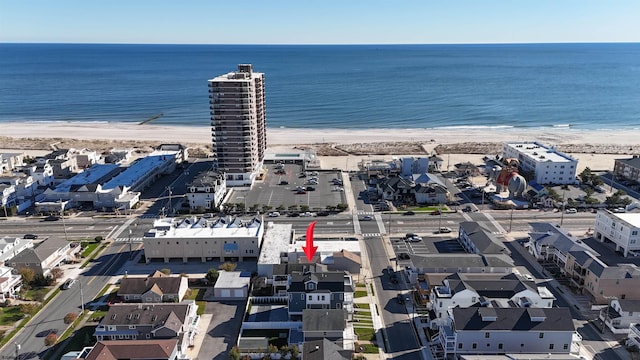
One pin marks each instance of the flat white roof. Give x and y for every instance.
(233, 77)
(328, 246)
(232, 280)
(276, 240)
(632, 218)
(89, 176)
(540, 153)
(141, 169)
(206, 229)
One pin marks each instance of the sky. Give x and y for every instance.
(319, 22)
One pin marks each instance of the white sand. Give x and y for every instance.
(281, 138)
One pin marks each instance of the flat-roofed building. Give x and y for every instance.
(238, 124)
(622, 229)
(628, 168)
(204, 239)
(549, 165)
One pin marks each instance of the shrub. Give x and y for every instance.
(70, 318)
(50, 339)
(57, 273)
(28, 308)
(212, 276)
(166, 271)
(98, 238)
(228, 266)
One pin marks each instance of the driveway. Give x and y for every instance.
(222, 333)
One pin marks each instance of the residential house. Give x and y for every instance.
(622, 229)
(318, 324)
(465, 290)
(232, 285)
(26, 188)
(589, 274)
(134, 349)
(323, 290)
(465, 263)
(150, 321)
(8, 197)
(431, 193)
(491, 330)
(86, 158)
(12, 246)
(551, 243)
(466, 169)
(155, 288)
(10, 283)
(10, 161)
(396, 189)
(480, 237)
(207, 190)
(324, 350)
(435, 163)
(620, 315)
(628, 168)
(48, 254)
(345, 260)
(42, 173)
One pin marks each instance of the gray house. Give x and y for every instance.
(322, 290)
(318, 324)
(44, 257)
(324, 350)
(481, 238)
(150, 321)
(155, 288)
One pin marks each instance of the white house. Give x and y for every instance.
(461, 290)
(9, 283)
(12, 246)
(550, 242)
(623, 229)
(620, 314)
(207, 190)
(549, 165)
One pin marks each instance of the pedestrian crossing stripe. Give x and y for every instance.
(371, 235)
(133, 239)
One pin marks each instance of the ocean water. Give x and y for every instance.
(585, 86)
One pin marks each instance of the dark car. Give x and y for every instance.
(409, 213)
(301, 191)
(310, 188)
(52, 218)
(323, 213)
(30, 236)
(284, 182)
(294, 214)
(400, 299)
(436, 212)
(403, 256)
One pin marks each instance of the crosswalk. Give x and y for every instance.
(126, 239)
(366, 235)
(147, 216)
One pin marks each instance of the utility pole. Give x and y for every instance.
(510, 219)
(170, 205)
(64, 226)
(562, 214)
(18, 351)
(81, 297)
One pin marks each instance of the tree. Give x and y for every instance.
(280, 207)
(51, 339)
(234, 353)
(212, 276)
(27, 275)
(586, 175)
(304, 208)
(57, 273)
(166, 271)
(228, 266)
(98, 238)
(266, 208)
(28, 308)
(70, 318)
(342, 207)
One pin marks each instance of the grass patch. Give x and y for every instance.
(197, 295)
(373, 293)
(369, 348)
(361, 285)
(360, 293)
(88, 248)
(82, 337)
(365, 333)
(36, 294)
(10, 315)
(93, 256)
(98, 315)
(362, 306)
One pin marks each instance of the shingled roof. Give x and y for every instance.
(132, 349)
(159, 285)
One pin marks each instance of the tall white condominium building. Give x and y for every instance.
(238, 124)
(548, 165)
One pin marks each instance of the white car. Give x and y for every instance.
(528, 277)
(572, 211)
(306, 214)
(273, 214)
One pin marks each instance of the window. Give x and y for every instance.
(474, 346)
(500, 346)
(459, 345)
(486, 335)
(310, 297)
(565, 346)
(634, 232)
(550, 346)
(322, 298)
(541, 335)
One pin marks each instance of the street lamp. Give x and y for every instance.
(81, 297)
(64, 226)
(18, 351)
(170, 205)
(130, 243)
(562, 215)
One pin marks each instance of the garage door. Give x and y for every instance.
(226, 293)
(238, 293)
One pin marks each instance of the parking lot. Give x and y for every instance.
(428, 245)
(285, 187)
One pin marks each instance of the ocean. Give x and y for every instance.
(583, 86)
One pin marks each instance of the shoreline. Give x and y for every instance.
(301, 136)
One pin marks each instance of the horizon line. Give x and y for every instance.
(323, 44)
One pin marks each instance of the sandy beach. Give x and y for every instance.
(593, 148)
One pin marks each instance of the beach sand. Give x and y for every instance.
(593, 148)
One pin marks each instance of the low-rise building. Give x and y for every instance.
(8, 197)
(232, 285)
(481, 238)
(10, 161)
(150, 321)
(155, 288)
(619, 315)
(10, 283)
(318, 324)
(159, 349)
(203, 239)
(12, 246)
(207, 190)
(622, 229)
(490, 330)
(48, 254)
(325, 290)
(548, 165)
(628, 168)
(462, 263)
(324, 350)
(550, 242)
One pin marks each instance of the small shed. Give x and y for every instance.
(232, 285)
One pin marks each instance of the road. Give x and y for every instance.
(90, 281)
(400, 336)
(76, 227)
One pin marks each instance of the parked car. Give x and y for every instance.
(52, 218)
(408, 213)
(294, 214)
(310, 188)
(30, 236)
(284, 182)
(301, 192)
(414, 239)
(323, 213)
(306, 214)
(68, 284)
(619, 210)
(444, 230)
(273, 214)
(409, 235)
(572, 211)
(436, 212)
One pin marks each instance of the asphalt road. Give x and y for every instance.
(50, 319)
(76, 227)
(399, 332)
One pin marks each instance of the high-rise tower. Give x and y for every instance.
(238, 124)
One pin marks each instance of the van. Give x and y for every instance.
(68, 283)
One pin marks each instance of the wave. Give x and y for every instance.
(456, 127)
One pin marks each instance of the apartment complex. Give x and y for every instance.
(238, 124)
(549, 165)
(628, 168)
(621, 229)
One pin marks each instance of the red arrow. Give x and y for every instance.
(310, 250)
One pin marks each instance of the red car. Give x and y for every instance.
(437, 212)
